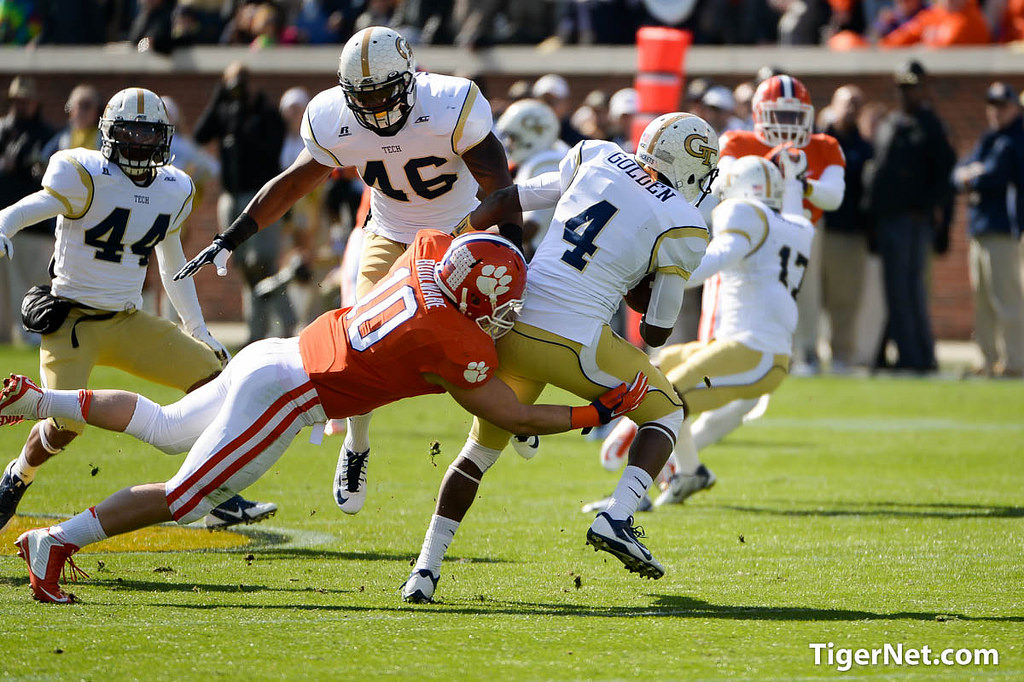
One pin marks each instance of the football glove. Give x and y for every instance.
(792, 161)
(6, 247)
(203, 335)
(614, 403)
(216, 253)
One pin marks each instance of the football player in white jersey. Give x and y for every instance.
(114, 207)
(760, 253)
(618, 218)
(423, 144)
(529, 130)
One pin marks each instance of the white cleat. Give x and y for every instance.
(615, 447)
(682, 486)
(621, 539)
(19, 400)
(419, 588)
(526, 447)
(350, 480)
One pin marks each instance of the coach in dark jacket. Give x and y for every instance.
(908, 187)
(988, 175)
(250, 132)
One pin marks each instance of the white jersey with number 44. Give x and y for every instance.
(109, 226)
(760, 258)
(417, 177)
(612, 226)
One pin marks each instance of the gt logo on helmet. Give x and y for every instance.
(701, 151)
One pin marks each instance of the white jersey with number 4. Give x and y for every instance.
(417, 177)
(612, 226)
(109, 226)
(760, 258)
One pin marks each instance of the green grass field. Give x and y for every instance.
(857, 512)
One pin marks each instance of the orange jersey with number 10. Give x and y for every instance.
(822, 151)
(377, 351)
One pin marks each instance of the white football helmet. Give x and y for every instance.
(136, 131)
(377, 73)
(527, 127)
(683, 150)
(753, 177)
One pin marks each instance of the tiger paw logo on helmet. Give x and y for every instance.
(476, 372)
(493, 281)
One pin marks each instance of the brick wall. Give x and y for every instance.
(958, 99)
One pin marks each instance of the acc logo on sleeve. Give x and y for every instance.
(701, 151)
(476, 372)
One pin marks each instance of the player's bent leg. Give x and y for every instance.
(714, 425)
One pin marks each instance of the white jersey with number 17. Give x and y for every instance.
(612, 226)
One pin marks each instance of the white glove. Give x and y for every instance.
(6, 247)
(793, 164)
(203, 334)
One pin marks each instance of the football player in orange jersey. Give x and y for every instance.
(784, 120)
(428, 327)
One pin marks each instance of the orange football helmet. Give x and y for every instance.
(484, 275)
(783, 112)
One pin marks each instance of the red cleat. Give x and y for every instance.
(47, 558)
(19, 400)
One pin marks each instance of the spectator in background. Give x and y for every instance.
(994, 226)
(266, 26)
(553, 90)
(424, 22)
(319, 22)
(591, 118)
(907, 186)
(719, 106)
(71, 22)
(1012, 22)
(844, 241)
(622, 108)
(250, 133)
(151, 29)
(889, 19)
(23, 132)
(946, 22)
(743, 94)
(377, 13)
(83, 109)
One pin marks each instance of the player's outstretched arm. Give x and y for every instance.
(29, 210)
(497, 403)
(488, 164)
(272, 201)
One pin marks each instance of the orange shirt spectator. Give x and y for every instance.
(947, 22)
(1013, 21)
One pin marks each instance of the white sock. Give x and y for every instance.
(685, 451)
(357, 438)
(631, 489)
(81, 530)
(439, 535)
(22, 469)
(72, 405)
(715, 425)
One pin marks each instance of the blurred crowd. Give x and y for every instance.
(163, 25)
(901, 177)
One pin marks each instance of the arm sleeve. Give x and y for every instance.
(540, 192)
(29, 210)
(666, 300)
(679, 250)
(827, 191)
(740, 230)
(320, 154)
(474, 122)
(182, 293)
(185, 211)
(68, 180)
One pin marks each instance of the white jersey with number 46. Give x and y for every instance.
(612, 226)
(417, 177)
(760, 258)
(109, 226)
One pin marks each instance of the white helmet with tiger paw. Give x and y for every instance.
(377, 73)
(753, 177)
(136, 131)
(683, 149)
(527, 127)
